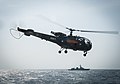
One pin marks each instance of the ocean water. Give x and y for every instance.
(59, 77)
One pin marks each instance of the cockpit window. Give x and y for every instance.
(87, 41)
(80, 39)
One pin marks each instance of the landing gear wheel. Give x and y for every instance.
(65, 51)
(84, 55)
(59, 51)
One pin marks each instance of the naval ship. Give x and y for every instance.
(77, 68)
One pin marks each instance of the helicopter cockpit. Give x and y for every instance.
(87, 41)
(84, 39)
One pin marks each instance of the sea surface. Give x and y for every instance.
(57, 76)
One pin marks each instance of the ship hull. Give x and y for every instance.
(78, 69)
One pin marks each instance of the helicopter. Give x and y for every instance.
(75, 43)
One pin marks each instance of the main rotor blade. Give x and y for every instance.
(107, 32)
(47, 19)
(72, 29)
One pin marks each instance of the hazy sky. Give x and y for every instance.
(34, 53)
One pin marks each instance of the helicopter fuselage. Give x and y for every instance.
(65, 42)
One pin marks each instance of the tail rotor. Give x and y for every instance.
(14, 30)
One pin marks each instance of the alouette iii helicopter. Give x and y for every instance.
(66, 41)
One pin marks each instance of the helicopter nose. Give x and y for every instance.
(88, 44)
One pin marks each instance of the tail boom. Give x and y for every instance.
(46, 37)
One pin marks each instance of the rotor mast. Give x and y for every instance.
(71, 30)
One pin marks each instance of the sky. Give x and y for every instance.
(34, 53)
